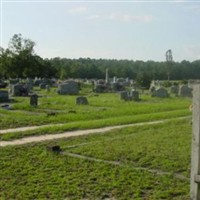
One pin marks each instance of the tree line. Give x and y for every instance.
(20, 61)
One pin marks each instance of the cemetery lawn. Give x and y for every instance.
(103, 110)
(121, 170)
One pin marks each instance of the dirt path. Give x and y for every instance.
(28, 128)
(67, 134)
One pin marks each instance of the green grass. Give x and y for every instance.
(102, 107)
(32, 172)
(103, 110)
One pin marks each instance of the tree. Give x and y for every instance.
(20, 60)
(5, 60)
(143, 80)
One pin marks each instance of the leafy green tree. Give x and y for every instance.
(143, 80)
(20, 60)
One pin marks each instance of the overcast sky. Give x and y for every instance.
(142, 30)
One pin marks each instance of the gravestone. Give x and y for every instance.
(14, 81)
(124, 95)
(37, 82)
(161, 92)
(174, 89)
(19, 90)
(42, 85)
(69, 87)
(116, 87)
(6, 107)
(134, 95)
(34, 100)
(130, 96)
(99, 88)
(4, 96)
(47, 88)
(81, 101)
(3, 84)
(185, 91)
(152, 89)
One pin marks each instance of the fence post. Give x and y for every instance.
(195, 157)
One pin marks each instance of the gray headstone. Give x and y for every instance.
(185, 91)
(47, 88)
(4, 96)
(124, 95)
(134, 95)
(42, 85)
(69, 87)
(174, 89)
(161, 92)
(81, 101)
(34, 100)
(19, 90)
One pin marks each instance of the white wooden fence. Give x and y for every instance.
(195, 157)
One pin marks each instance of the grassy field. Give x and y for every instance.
(32, 172)
(149, 162)
(103, 110)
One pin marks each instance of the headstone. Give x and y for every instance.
(124, 95)
(116, 87)
(134, 95)
(19, 90)
(185, 91)
(47, 88)
(6, 107)
(152, 89)
(69, 87)
(99, 88)
(174, 89)
(14, 81)
(81, 101)
(161, 92)
(34, 100)
(42, 85)
(4, 96)
(37, 82)
(130, 96)
(114, 79)
(107, 77)
(2, 84)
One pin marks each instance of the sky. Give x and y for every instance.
(133, 30)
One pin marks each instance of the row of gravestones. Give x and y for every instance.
(81, 100)
(24, 89)
(116, 85)
(183, 91)
(72, 88)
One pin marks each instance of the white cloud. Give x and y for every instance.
(78, 10)
(130, 18)
(122, 17)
